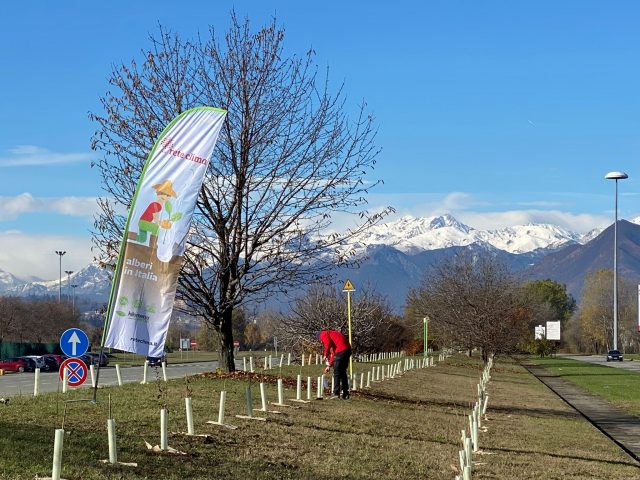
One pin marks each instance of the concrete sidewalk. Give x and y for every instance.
(622, 428)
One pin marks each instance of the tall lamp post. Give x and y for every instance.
(68, 272)
(60, 253)
(615, 176)
(73, 301)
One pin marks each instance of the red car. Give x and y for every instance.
(13, 365)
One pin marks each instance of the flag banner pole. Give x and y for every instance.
(152, 246)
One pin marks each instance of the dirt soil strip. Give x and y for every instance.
(622, 428)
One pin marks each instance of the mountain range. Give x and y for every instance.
(395, 256)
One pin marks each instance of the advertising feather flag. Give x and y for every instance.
(151, 253)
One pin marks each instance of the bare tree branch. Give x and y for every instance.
(289, 158)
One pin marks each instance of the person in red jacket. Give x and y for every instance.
(337, 352)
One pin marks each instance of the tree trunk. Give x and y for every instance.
(227, 362)
(485, 356)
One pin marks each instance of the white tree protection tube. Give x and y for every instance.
(111, 435)
(164, 436)
(57, 454)
(189, 411)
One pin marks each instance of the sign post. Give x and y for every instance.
(348, 287)
(185, 343)
(74, 343)
(553, 330)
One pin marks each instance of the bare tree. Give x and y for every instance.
(322, 308)
(473, 302)
(288, 161)
(34, 320)
(595, 312)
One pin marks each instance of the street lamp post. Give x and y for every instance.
(68, 272)
(615, 176)
(60, 253)
(73, 300)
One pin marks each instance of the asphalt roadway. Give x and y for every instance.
(634, 366)
(13, 384)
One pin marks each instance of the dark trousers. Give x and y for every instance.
(340, 378)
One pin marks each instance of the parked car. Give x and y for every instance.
(40, 363)
(93, 358)
(30, 364)
(54, 361)
(156, 361)
(13, 365)
(614, 355)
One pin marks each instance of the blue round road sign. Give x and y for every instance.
(74, 342)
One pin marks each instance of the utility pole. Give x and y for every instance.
(60, 253)
(68, 272)
(73, 301)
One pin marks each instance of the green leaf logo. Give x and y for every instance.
(168, 207)
(120, 313)
(176, 216)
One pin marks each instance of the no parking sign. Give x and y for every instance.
(77, 371)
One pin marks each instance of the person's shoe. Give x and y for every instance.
(345, 396)
(333, 397)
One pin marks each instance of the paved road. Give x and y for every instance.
(13, 384)
(602, 360)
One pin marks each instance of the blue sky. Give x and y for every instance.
(498, 112)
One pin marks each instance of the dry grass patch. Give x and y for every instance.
(403, 428)
(534, 434)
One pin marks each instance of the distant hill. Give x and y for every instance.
(8, 281)
(571, 264)
(396, 256)
(93, 285)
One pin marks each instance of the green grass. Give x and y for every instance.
(403, 428)
(620, 387)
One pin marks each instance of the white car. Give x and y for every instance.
(40, 363)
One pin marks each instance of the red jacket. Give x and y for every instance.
(334, 342)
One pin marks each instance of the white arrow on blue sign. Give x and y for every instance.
(74, 342)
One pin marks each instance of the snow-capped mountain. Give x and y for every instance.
(591, 234)
(395, 256)
(91, 280)
(8, 280)
(413, 235)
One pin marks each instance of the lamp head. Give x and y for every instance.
(616, 176)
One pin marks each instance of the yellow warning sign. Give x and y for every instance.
(348, 287)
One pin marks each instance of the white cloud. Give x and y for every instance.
(12, 207)
(27, 255)
(580, 223)
(480, 214)
(541, 204)
(30, 155)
